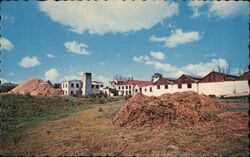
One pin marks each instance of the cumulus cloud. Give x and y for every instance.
(221, 9)
(140, 58)
(177, 37)
(5, 44)
(50, 55)
(195, 7)
(200, 69)
(224, 9)
(77, 48)
(51, 74)
(102, 17)
(157, 55)
(29, 62)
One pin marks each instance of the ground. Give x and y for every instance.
(88, 131)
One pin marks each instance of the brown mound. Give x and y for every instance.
(36, 86)
(178, 109)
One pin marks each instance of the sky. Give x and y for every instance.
(58, 41)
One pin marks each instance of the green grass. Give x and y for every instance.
(233, 100)
(19, 112)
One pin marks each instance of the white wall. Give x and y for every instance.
(211, 88)
(224, 88)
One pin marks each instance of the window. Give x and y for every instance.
(166, 86)
(140, 90)
(179, 85)
(72, 93)
(145, 89)
(150, 89)
(136, 90)
(101, 85)
(122, 87)
(92, 86)
(126, 87)
(66, 85)
(119, 87)
(129, 92)
(189, 85)
(129, 87)
(66, 92)
(126, 92)
(77, 85)
(158, 87)
(63, 85)
(97, 86)
(72, 85)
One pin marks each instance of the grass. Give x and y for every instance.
(19, 112)
(232, 100)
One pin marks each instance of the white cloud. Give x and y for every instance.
(29, 62)
(210, 55)
(140, 58)
(5, 44)
(158, 55)
(195, 6)
(51, 74)
(50, 55)
(102, 17)
(221, 9)
(177, 37)
(200, 69)
(224, 9)
(77, 48)
(4, 80)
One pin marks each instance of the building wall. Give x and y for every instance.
(68, 90)
(171, 88)
(125, 90)
(97, 87)
(224, 88)
(212, 88)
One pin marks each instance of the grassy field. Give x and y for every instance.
(69, 132)
(19, 112)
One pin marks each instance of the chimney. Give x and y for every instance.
(86, 84)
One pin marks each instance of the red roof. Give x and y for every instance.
(138, 82)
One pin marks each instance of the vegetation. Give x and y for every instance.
(19, 112)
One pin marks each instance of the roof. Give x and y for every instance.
(224, 74)
(164, 81)
(195, 79)
(71, 81)
(138, 82)
(96, 82)
(245, 76)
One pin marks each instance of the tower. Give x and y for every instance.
(86, 84)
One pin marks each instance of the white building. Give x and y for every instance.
(84, 87)
(72, 87)
(96, 87)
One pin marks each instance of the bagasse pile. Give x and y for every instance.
(178, 109)
(36, 86)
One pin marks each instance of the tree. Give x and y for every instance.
(48, 81)
(56, 85)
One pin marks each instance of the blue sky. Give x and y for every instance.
(60, 40)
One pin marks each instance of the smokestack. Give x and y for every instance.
(86, 84)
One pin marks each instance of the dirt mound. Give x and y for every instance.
(36, 86)
(178, 109)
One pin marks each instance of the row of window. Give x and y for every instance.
(71, 85)
(166, 87)
(96, 86)
(124, 87)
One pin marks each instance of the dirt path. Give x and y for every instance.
(90, 133)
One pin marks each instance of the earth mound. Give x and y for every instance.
(178, 109)
(36, 86)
